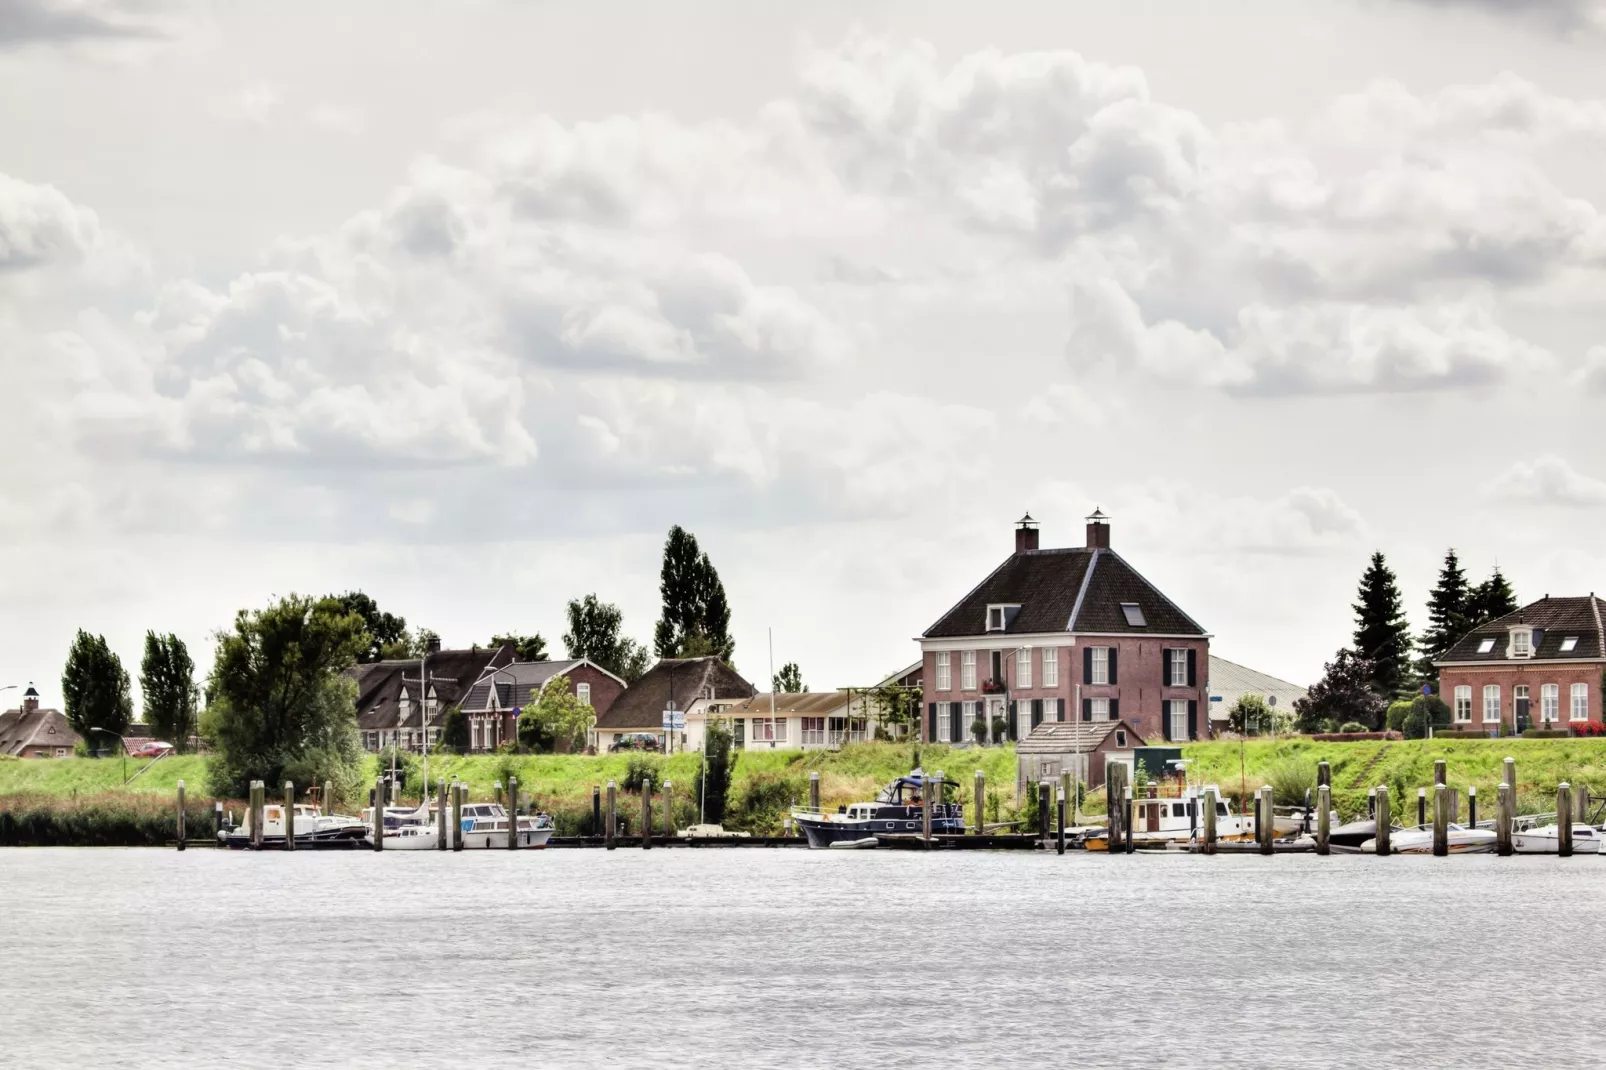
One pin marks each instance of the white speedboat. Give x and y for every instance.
(1419, 841)
(485, 826)
(1543, 840)
(1174, 820)
(412, 838)
(313, 829)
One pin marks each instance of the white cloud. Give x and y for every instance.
(336, 119)
(39, 224)
(252, 104)
(1549, 480)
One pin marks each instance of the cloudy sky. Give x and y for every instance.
(465, 304)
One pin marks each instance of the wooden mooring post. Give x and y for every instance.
(379, 814)
(596, 810)
(1421, 807)
(981, 801)
(1440, 771)
(1564, 820)
(258, 805)
(646, 815)
(1441, 820)
(180, 815)
(1045, 808)
(613, 815)
(1126, 818)
(1380, 795)
(217, 815)
(512, 813)
(1581, 802)
(1505, 810)
(1324, 818)
(1268, 823)
(1060, 844)
(814, 792)
(459, 796)
(1509, 775)
(669, 809)
(327, 802)
(289, 816)
(925, 811)
(440, 815)
(1472, 806)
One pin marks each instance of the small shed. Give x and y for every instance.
(1054, 746)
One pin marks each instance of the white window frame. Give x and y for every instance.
(1023, 718)
(1101, 709)
(1101, 665)
(1178, 712)
(1569, 644)
(583, 693)
(945, 672)
(1522, 642)
(1178, 667)
(1549, 703)
(1463, 703)
(945, 715)
(813, 736)
(967, 670)
(1579, 710)
(1023, 667)
(1491, 703)
(1485, 646)
(1051, 666)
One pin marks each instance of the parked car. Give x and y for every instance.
(636, 741)
(151, 749)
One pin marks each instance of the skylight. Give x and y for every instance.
(1486, 646)
(1134, 614)
(1569, 643)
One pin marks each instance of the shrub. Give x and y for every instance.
(1397, 712)
(113, 820)
(1290, 778)
(643, 773)
(407, 767)
(1425, 710)
(718, 768)
(1545, 733)
(1589, 728)
(1000, 729)
(1352, 726)
(978, 729)
(764, 801)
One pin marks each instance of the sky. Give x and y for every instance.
(464, 304)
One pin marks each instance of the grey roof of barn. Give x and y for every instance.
(514, 683)
(451, 674)
(1556, 618)
(38, 727)
(641, 707)
(1077, 589)
(793, 704)
(1075, 737)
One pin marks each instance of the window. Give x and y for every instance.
(769, 730)
(1134, 615)
(964, 713)
(967, 670)
(1101, 709)
(814, 731)
(1485, 646)
(1120, 738)
(1491, 702)
(1580, 710)
(945, 677)
(1051, 666)
(1569, 644)
(1179, 719)
(583, 693)
(1101, 665)
(1023, 667)
(1023, 719)
(1520, 647)
(1463, 703)
(995, 619)
(1179, 667)
(1550, 702)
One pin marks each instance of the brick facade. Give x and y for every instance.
(1508, 677)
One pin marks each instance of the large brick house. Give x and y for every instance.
(502, 689)
(1061, 633)
(1538, 667)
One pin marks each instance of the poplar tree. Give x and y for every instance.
(696, 615)
(167, 681)
(1382, 634)
(1449, 615)
(95, 691)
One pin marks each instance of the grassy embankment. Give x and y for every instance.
(767, 780)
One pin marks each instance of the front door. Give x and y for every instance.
(1520, 695)
(996, 712)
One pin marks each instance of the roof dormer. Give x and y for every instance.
(1001, 615)
(1521, 644)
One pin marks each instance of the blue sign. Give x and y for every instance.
(1427, 689)
(1215, 698)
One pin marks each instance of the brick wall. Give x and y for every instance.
(1562, 673)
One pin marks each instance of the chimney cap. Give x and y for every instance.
(1026, 522)
(30, 693)
(1098, 516)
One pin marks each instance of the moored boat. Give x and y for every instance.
(313, 830)
(898, 810)
(1177, 819)
(1545, 839)
(485, 825)
(1419, 841)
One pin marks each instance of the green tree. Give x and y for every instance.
(1449, 616)
(412, 646)
(555, 718)
(712, 784)
(1491, 600)
(1344, 693)
(789, 680)
(526, 647)
(281, 704)
(593, 633)
(95, 691)
(167, 682)
(454, 730)
(893, 705)
(1250, 714)
(1425, 710)
(696, 615)
(384, 629)
(1382, 634)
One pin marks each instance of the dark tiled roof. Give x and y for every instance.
(1554, 620)
(1054, 586)
(451, 674)
(513, 683)
(1075, 737)
(32, 728)
(641, 707)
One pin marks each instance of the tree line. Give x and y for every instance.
(1375, 682)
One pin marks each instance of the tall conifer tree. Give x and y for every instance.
(1449, 615)
(696, 615)
(1382, 634)
(1491, 599)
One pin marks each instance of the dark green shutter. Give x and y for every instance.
(1113, 680)
(1165, 719)
(1087, 709)
(1115, 709)
(1087, 665)
(1011, 733)
(1037, 712)
(1193, 668)
(1193, 714)
(931, 723)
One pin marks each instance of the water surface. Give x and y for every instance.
(790, 958)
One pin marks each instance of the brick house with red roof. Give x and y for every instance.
(1060, 633)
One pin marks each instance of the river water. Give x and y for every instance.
(791, 958)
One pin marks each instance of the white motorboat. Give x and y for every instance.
(485, 826)
(1419, 841)
(313, 829)
(1173, 820)
(412, 838)
(1543, 840)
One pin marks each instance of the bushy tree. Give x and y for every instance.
(454, 730)
(789, 681)
(525, 647)
(593, 633)
(712, 784)
(696, 616)
(555, 719)
(1344, 693)
(893, 705)
(384, 629)
(1425, 710)
(1382, 634)
(95, 691)
(167, 682)
(411, 646)
(1491, 599)
(1250, 714)
(1449, 616)
(280, 702)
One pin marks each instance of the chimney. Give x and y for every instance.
(1098, 531)
(1025, 533)
(30, 699)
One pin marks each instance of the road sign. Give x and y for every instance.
(1215, 698)
(517, 710)
(1427, 689)
(674, 720)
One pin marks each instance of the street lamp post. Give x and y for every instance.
(121, 741)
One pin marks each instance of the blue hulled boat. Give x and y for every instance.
(898, 810)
